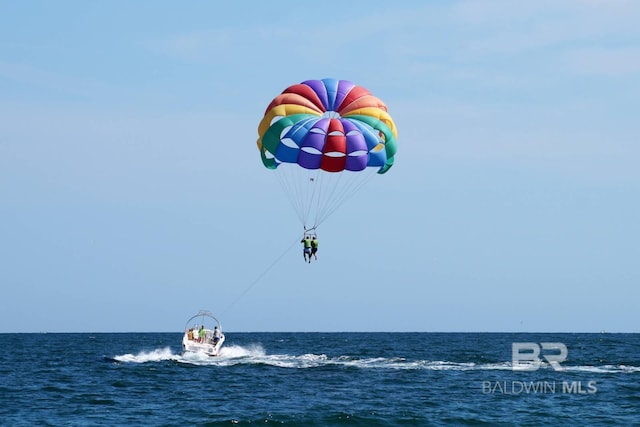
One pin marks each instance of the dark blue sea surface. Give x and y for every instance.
(318, 379)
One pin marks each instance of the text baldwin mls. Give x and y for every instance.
(538, 387)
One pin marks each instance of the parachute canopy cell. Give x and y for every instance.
(331, 125)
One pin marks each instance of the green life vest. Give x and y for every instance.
(307, 243)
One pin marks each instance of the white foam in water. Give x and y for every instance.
(235, 351)
(255, 354)
(228, 355)
(142, 357)
(288, 361)
(604, 369)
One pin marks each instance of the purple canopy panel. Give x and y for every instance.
(309, 160)
(356, 163)
(355, 143)
(316, 136)
(314, 140)
(344, 87)
(319, 88)
(355, 138)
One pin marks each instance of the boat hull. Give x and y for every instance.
(208, 348)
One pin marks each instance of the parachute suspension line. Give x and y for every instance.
(317, 188)
(330, 183)
(291, 187)
(309, 179)
(260, 276)
(301, 187)
(341, 192)
(315, 194)
(354, 186)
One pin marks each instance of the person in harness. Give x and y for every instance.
(306, 251)
(314, 247)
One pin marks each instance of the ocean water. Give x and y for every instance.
(320, 379)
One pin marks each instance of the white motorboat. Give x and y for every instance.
(203, 334)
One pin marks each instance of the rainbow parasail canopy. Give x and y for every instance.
(323, 138)
(332, 125)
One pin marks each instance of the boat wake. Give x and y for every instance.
(231, 355)
(157, 355)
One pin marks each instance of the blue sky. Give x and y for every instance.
(132, 193)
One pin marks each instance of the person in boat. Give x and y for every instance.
(306, 251)
(190, 334)
(201, 334)
(314, 247)
(216, 335)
